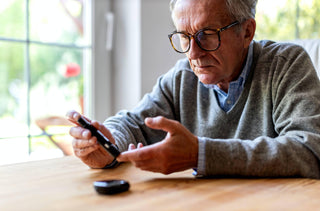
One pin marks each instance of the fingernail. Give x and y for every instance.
(85, 134)
(131, 146)
(148, 120)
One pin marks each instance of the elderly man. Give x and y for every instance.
(234, 107)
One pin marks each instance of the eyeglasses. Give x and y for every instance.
(207, 39)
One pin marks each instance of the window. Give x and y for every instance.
(45, 52)
(288, 19)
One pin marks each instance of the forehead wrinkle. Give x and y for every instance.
(189, 14)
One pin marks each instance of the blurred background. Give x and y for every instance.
(97, 57)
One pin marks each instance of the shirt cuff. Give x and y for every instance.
(201, 168)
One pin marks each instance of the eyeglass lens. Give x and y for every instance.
(206, 39)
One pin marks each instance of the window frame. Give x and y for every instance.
(87, 62)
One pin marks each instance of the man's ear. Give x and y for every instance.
(249, 27)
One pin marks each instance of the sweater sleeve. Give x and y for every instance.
(295, 107)
(129, 127)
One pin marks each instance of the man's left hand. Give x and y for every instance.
(177, 152)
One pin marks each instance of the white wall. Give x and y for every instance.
(157, 55)
(141, 53)
(142, 50)
(99, 91)
(126, 54)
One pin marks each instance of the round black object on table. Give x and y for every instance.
(110, 187)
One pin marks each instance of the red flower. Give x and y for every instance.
(72, 70)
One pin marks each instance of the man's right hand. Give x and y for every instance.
(85, 145)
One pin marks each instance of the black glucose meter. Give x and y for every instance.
(110, 187)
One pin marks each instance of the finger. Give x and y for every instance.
(81, 143)
(82, 152)
(140, 145)
(162, 123)
(131, 147)
(73, 116)
(80, 133)
(126, 156)
(104, 130)
(96, 124)
(135, 155)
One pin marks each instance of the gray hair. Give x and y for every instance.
(241, 10)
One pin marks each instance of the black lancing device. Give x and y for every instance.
(102, 140)
(111, 187)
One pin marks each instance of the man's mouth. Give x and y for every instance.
(200, 68)
(202, 65)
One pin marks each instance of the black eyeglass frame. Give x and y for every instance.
(194, 36)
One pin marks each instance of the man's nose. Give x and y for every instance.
(195, 51)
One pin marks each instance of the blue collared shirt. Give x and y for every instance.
(227, 100)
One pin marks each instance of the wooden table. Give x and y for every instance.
(67, 184)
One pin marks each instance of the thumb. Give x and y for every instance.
(162, 123)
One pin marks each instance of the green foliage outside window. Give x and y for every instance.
(288, 20)
(47, 63)
(41, 69)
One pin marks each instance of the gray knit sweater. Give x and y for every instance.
(273, 130)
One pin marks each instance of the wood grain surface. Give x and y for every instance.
(67, 184)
